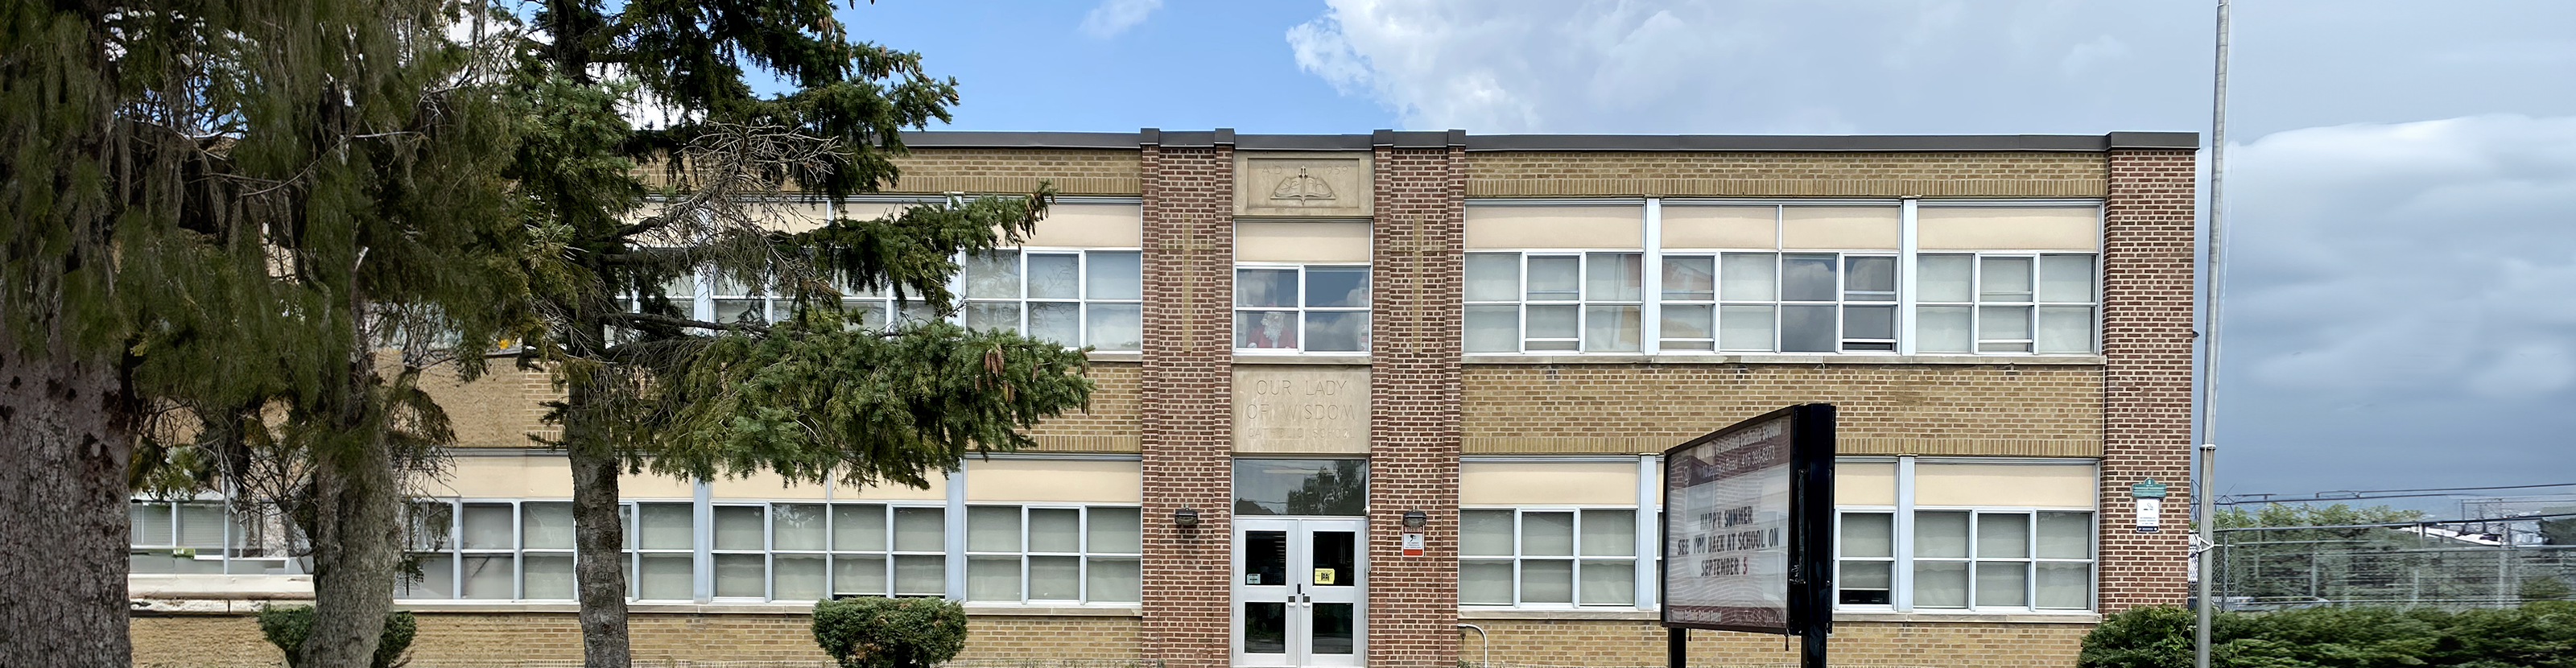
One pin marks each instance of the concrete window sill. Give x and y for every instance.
(1973, 360)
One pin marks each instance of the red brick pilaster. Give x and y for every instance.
(1187, 401)
(2147, 253)
(1414, 384)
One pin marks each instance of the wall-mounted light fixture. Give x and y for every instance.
(1414, 519)
(1185, 518)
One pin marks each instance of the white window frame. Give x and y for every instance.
(1301, 309)
(1903, 557)
(1582, 304)
(1977, 303)
(1778, 303)
(1083, 555)
(1082, 298)
(1640, 563)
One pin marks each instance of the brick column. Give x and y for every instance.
(1188, 397)
(2147, 253)
(1414, 397)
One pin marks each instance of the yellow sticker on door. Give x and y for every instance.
(1323, 576)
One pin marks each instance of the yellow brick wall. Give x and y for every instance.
(498, 640)
(1984, 409)
(1004, 170)
(498, 410)
(1780, 174)
(1641, 643)
(1112, 423)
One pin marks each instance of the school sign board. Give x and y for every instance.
(1748, 526)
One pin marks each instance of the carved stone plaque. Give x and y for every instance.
(1301, 409)
(1315, 185)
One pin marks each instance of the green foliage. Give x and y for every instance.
(2535, 635)
(875, 632)
(2545, 588)
(2311, 515)
(288, 626)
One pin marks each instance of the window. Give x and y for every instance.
(1053, 554)
(1996, 303)
(1077, 298)
(1548, 557)
(1779, 302)
(760, 551)
(1534, 302)
(1969, 559)
(180, 536)
(492, 550)
(1309, 308)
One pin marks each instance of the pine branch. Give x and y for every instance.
(685, 322)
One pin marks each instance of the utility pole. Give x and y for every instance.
(2203, 488)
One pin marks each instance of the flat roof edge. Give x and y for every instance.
(1557, 142)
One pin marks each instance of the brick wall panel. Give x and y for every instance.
(1414, 404)
(1187, 392)
(2147, 280)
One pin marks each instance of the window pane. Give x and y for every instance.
(1116, 326)
(487, 526)
(2001, 536)
(1055, 276)
(1690, 278)
(202, 524)
(1113, 581)
(796, 526)
(796, 577)
(993, 316)
(920, 575)
(737, 527)
(1547, 581)
(1744, 328)
(1059, 322)
(1943, 278)
(665, 577)
(2065, 536)
(992, 529)
(1485, 533)
(151, 523)
(2065, 329)
(1940, 584)
(858, 527)
(437, 578)
(1485, 582)
(993, 275)
(1265, 329)
(2004, 279)
(2003, 585)
(1750, 277)
(1115, 530)
(1114, 275)
(1941, 329)
(920, 530)
(1553, 322)
(489, 577)
(1055, 578)
(1869, 535)
(1493, 277)
(1614, 277)
(1300, 487)
(1869, 279)
(853, 574)
(1265, 287)
(546, 577)
(1609, 583)
(866, 314)
(1864, 583)
(1337, 287)
(992, 578)
(663, 526)
(740, 310)
(1687, 322)
(2065, 586)
(1547, 534)
(1869, 322)
(1808, 278)
(2066, 278)
(741, 576)
(545, 526)
(1494, 328)
(1941, 534)
(1609, 533)
(1611, 328)
(1998, 326)
(1055, 530)
(1807, 329)
(1337, 331)
(1555, 278)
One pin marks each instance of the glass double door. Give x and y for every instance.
(1300, 586)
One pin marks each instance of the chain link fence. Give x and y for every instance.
(2451, 564)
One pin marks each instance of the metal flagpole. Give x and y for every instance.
(2202, 489)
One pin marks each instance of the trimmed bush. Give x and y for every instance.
(287, 627)
(2540, 634)
(876, 632)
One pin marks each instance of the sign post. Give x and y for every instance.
(1748, 531)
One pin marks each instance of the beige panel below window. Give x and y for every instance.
(763, 485)
(1091, 226)
(1944, 228)
(649, 486)
(1721, 227)
(1515, 484)
(869, 210)
(1511, 227)
(2048, 485)
(1301, 242)
(1840, 227)
(1055, 480)
(506, 477)
(938, 491)
(1864, 484)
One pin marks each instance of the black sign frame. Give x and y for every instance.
(1811, 522)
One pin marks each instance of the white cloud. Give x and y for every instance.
(1116, 16)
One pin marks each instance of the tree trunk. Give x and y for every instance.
(66, 437)
(357, 539)
(599, 566)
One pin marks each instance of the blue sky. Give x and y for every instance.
(2402, 304)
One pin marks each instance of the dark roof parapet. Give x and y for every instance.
(1561, 142)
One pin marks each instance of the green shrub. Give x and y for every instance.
(287, 627)
(873, 632)
(2540, 634)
